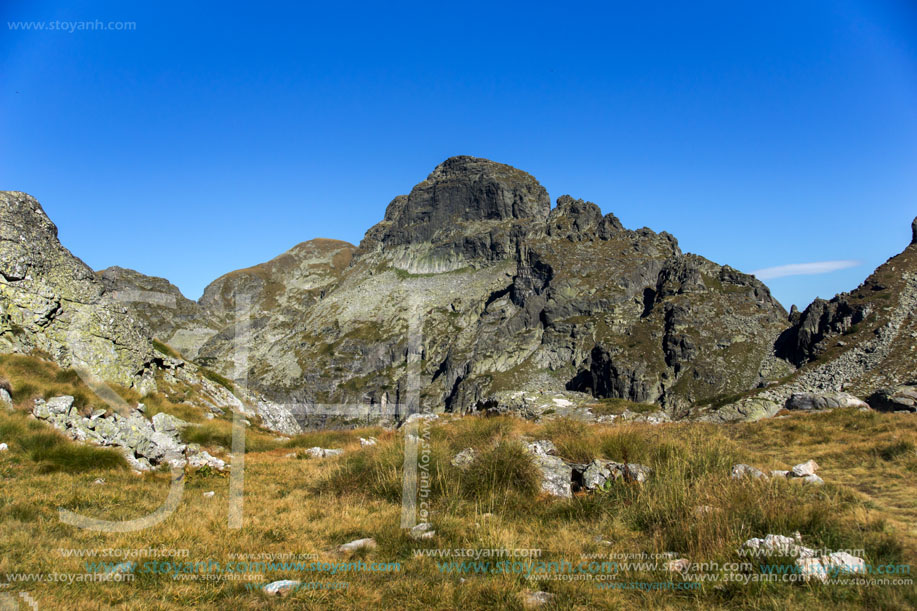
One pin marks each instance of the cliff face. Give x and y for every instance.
(52, 302)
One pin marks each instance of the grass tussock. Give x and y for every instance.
(51, 451)
(504, 468)
(30, 377)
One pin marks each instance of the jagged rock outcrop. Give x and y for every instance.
(468, 211)
(820, 323)
(52, 302)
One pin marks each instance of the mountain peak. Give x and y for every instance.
(461, 189)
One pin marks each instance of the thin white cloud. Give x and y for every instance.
(802, 269)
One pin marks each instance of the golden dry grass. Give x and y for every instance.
(303, 506)
(309, 506)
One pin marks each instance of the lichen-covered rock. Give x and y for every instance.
(813, 401)
(204, 459)
(543, 447)
(597, 474)
(6, 400)
(556, 475)
(143, 442)
(170, 316)
(53, 302)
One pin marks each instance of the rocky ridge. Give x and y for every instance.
(473, 293)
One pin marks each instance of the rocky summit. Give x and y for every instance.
(471, 293)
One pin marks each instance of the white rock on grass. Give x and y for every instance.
(742, 470)
(279, 588)
(368, 442)
(203, 458)
(463, 459)
(811, 568)
(209, 494)
(803, 469)
(424, 530)
(5, 399)
(599, 472)
(536, 599)
(358, 544)
(813, 479)
(4, 447)
(842, 562)
(779, 545)
(556, 475)
(318, 452)
(830, 566)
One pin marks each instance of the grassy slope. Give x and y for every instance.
(310, 506)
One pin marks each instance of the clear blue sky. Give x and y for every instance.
(217, 135)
